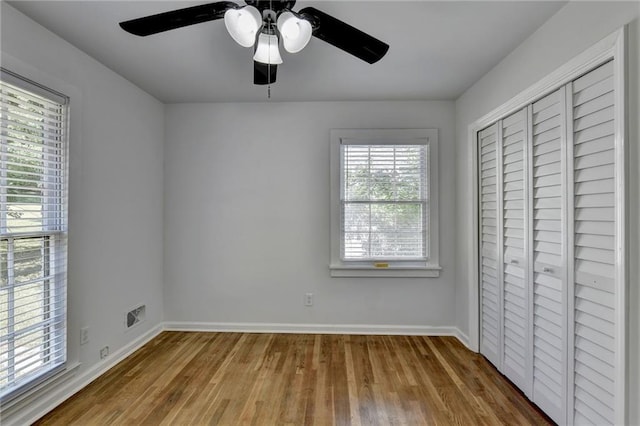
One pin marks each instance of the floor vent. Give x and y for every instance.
(135, 316)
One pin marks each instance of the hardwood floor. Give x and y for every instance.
(291, 379)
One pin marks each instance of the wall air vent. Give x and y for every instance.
(135, 316)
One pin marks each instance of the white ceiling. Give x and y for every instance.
(438, 49)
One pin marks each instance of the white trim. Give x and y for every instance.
(597, 54)
(56, 379)
(362, 329)
(31, 409)
(391, 272)
(463, 338)
(475, 321)
(621, 175)
(568, 255)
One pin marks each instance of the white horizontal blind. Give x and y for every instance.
(32, 234)
(594, 248)
(384, 201)
(549, 279)
(490, 300)
(515, 290)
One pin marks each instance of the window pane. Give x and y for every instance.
(384, 172)
(32, 155)
(4, 269)
(384, 202)
(29, 255)
(384, 231)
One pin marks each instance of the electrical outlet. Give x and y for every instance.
(84, 335)
(308, 299)
(104, 352)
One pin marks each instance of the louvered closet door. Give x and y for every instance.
(515, 364)
(549, 287)
(594, 343)
(490, 301)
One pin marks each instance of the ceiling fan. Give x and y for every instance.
(262, 24)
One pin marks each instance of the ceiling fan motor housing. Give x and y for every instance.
(276, 5)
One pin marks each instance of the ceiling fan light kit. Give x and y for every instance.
(295, 32)
(263, 24)
(243, 24)
(267, 51)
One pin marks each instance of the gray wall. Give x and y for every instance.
(573, 29)
(115, 200)
(247, 216)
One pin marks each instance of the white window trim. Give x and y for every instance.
(430, 268)
(66, 368)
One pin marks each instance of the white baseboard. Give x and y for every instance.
(464, 339)
(251, 327)
(34, 407)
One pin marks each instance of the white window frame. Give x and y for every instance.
(57, 234)
(385, 268)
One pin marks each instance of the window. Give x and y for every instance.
(33, 234)
(384, 219)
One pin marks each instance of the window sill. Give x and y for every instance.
(346, 271)
(27, 397)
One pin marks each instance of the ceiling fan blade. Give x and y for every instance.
(166, 21)
(263, 73)
(344, 36)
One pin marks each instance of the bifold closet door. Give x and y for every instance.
(552, 253)
(490, 286)
(595, 287)
(549, 280)
(515, 306)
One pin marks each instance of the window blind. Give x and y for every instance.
(384, 201)
(33, 226)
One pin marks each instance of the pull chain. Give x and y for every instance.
(269, 69)
(269, 55)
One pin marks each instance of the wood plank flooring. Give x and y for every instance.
(182, 378)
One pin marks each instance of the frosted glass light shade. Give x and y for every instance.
(243, 24)
(267, 51)
(295, 32)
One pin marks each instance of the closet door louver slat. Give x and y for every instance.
(549, 278)
(491, 320)
(594, 342)
(515, 364)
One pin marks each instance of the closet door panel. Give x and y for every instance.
(549, 277)
(594, 257)
(515, 364)
(490, 275)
